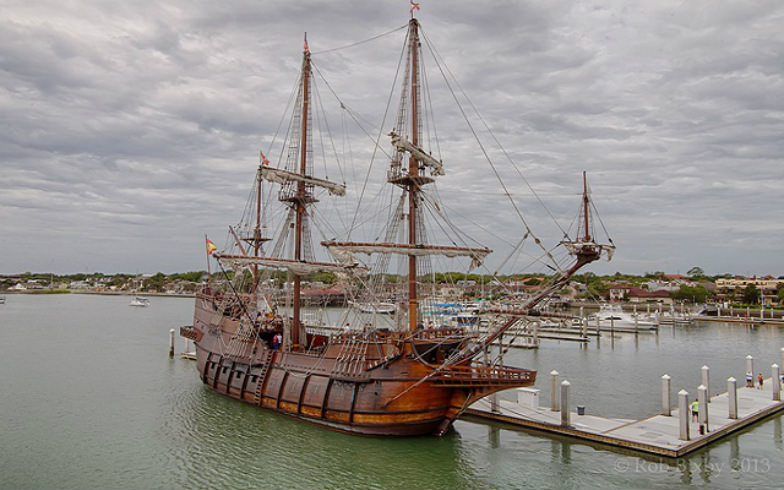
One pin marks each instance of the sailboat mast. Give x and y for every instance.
(257, 232)
(413, 171)
(586, 203)
(300, 200)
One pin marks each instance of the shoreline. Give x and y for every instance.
(102, 293)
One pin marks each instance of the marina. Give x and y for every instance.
(158, 426)
(661, 435)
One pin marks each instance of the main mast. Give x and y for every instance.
(413, 172)
(301, 195)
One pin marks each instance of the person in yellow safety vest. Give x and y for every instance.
(695, 410)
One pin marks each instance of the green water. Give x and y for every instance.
(90, 399)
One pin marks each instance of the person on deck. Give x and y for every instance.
(277, 339)
(749, 379)
(760, 380)
(695, 410)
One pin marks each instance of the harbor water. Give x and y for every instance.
(90, 399)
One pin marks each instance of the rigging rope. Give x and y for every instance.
(483, 149)
(360, 42)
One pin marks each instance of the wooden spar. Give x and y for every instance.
(586, 203)
(300, 201)
(257, 232)
(413, 171)
(237, 241)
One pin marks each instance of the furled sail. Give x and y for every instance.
(342, 250)
(402, 145)
(280, 176)
(295, 266)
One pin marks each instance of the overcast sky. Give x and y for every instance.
(128, 130)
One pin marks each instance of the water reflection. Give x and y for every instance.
(494, 436)
(158, 427)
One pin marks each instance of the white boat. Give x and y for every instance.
(2, 300)
(379, 308)
(452, 314)
(137, 301)
(613, 316)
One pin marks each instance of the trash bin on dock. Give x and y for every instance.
(580, 409)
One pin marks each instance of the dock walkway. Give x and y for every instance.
(658, 434)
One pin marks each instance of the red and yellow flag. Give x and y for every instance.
(264, 160)
(210, 246)
(414, 6)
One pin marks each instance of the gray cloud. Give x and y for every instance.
(127, 131)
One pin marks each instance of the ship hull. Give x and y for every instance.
(375, 388)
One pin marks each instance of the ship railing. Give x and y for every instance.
(190, 333)
(439, 333)
(482, 375)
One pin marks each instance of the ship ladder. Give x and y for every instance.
(262, 376)
(351, 358)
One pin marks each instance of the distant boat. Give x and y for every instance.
(2, 300)
(613, 315)
(137, 301)
(377, 308)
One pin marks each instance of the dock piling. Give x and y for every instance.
(683, 414)
(171, 342)
(554, 405)
(732, 397)
(565, 413)
(706, 379)
(750, 369)
(776, 382)
(666, 395)
(702, 400)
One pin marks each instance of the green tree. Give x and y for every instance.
(696, 294)
(750, 294)
(696, 272)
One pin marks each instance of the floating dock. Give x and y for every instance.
(658, 435)
(750, 320)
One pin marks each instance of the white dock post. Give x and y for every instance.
(718, 311)
(683, 414)
(565, 404)
(666, 395)
(554, 405)
(732, 397)
(706, 379)
(536, 333)
(776, 379)
(702, 400)
(171, 342)
(494, 403)
(748, 310)
(750, 369)
(782, 357)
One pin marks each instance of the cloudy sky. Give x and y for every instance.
(128, 130)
